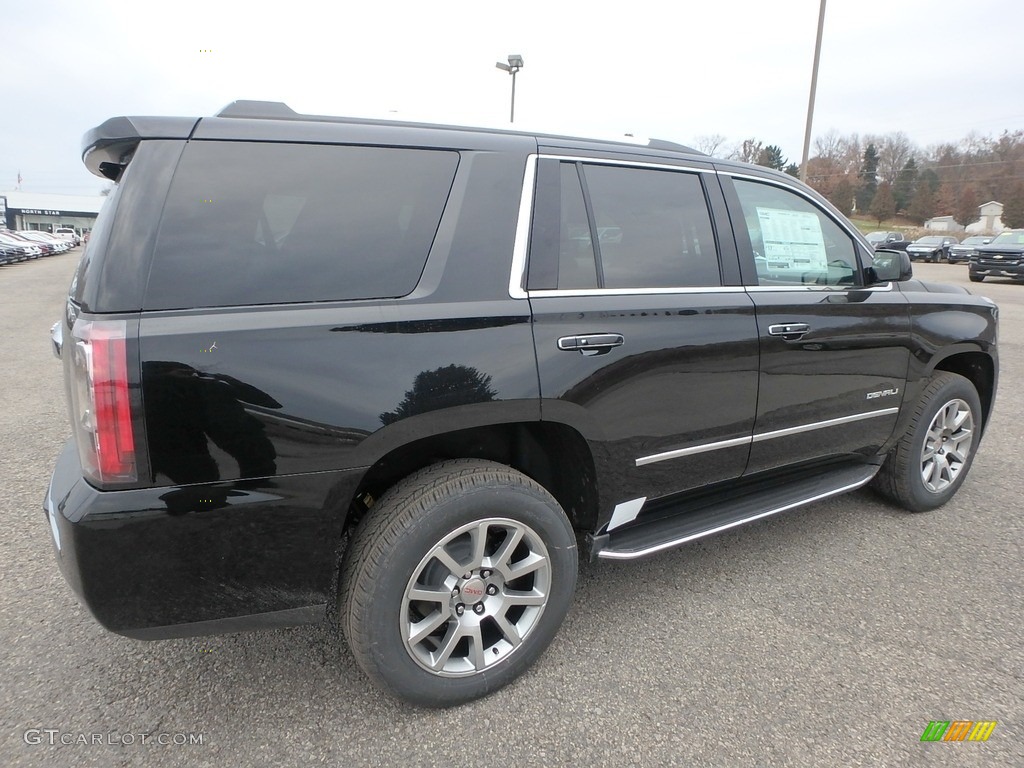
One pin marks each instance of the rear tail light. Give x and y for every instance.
(100, 406)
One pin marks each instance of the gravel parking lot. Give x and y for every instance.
(829, 636)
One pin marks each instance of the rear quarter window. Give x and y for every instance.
(249, 223)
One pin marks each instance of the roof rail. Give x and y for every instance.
(662, 144)
(269, 110)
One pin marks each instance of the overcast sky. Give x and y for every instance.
(676, 70)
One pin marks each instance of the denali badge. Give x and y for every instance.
(883, 393)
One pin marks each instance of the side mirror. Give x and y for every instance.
(890, 265)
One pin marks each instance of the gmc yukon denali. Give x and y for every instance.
(405, 376)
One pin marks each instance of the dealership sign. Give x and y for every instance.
(41, 212)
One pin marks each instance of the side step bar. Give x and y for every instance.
(666, 532)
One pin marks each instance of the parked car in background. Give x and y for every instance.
(963, 250)
(891, 241)
(49, 246)
(32, 250)
(9, 254)
(54, 243)
(68, 234)
(931, 248)
(1003, 257)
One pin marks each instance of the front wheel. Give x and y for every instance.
(975, 278)
(456, 581)
(932, 459)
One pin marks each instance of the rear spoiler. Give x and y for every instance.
(108, 147)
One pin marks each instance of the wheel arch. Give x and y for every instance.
(553, 454)
(976, 366)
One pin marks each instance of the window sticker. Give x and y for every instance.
(793, 242)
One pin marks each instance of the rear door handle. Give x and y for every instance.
(591, 343)
(789, 331)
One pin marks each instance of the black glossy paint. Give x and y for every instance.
(685, 375)
(857, 347)
(243, 409)
(257, 424)
(153, 558)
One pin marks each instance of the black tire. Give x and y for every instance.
(901, 477)
(392, 549)
(975, 278)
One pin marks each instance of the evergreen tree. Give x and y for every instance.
(931, 178)
(868, 177)
(906, 184)
(793, 170)
(883, 206)
(772, 157)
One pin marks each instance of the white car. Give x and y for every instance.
(34, 251)
(58, 244)
(68, 234)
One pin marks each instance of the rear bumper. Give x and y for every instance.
(201, 559)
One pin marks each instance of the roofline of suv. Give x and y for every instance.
(110, 143)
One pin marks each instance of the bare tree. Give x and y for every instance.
(893, 153)
(747, 151)
(710, 144)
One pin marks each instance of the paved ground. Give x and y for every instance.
(827, 637)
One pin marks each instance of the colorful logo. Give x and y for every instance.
(958, 730)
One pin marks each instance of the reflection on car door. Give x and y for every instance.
(641, 344)
(834, 353)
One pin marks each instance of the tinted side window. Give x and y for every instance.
(794, 242)
(250, 223)
(653, 227)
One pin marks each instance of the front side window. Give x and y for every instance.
(794, 242)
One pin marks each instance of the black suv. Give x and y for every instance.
(890, 241)
(933, 248)
(410, 374)
(1003, 257)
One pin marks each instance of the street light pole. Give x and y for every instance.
(814, 88)
(515, 63)
(512, 110)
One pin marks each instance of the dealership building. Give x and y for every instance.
(32, 210)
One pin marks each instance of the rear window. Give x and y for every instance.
(250, 223)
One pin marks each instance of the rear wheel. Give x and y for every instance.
(932, 459)
(456, 582)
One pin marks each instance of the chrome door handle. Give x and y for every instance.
(591, 343)
(789, 331)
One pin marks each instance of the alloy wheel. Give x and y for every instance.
(475, 597)
(947, 445)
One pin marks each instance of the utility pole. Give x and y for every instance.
(814, 88)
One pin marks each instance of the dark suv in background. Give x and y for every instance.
(411, 373)
(932, 248)
(1003, 257)
(892, 241)
(961, 252)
